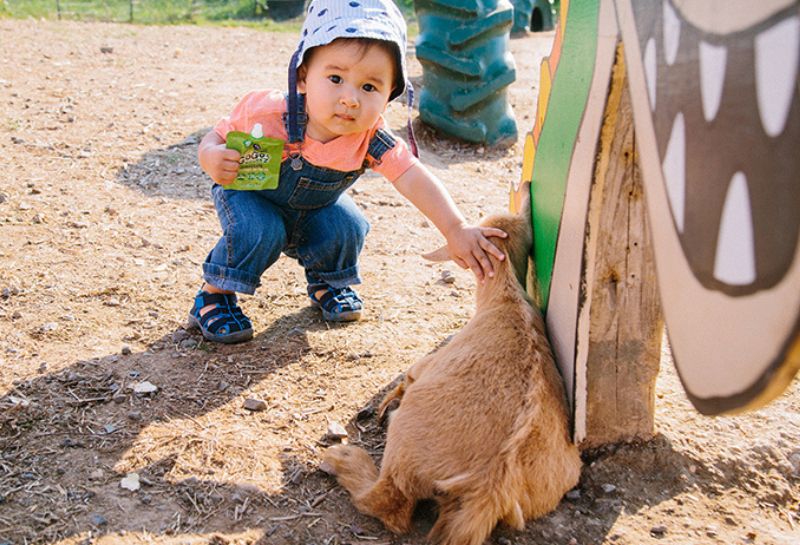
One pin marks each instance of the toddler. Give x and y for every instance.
(348, 65)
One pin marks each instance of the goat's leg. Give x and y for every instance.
(413, 374)
(395, 395)
(372, 494)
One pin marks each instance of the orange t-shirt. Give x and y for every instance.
(345, 153)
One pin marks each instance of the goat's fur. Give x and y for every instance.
(482, 423)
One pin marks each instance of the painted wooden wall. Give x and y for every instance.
(715, 103)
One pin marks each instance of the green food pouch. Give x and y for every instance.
(260, 165)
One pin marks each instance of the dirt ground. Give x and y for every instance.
(105, 219)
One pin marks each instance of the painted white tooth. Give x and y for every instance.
(713, 60)
(672, 33)
(735, 262)
(650, 71)
(777, 50)
(674, 169)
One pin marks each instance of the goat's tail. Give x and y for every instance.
(372, 494)
(470, 505)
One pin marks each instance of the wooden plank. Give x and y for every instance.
(625, 322)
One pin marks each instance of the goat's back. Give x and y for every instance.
(458, 415)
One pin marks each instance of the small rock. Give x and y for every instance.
(574, 494)
(126, 350)
(98, 520)
(658, 531)
(109, 428)
(448, 277)
(145, 387)
(134, 415)
(119, 399)
(106, 49)
(325, 467)
(794, 459)
(96, 475)
(49, 326)
(712, 530)
(24, 206)
(503, 541)
(130, 482)
(38, 218)
(180, 335)
(146, 499)
(608, 488)
(336, 431)
(188, 344)
(16, 315)
(255, 405)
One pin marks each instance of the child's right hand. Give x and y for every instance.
(219, 162)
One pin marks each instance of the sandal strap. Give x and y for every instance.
(337, 299)
(225, 314)
(204, 298)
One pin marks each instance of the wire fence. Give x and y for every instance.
(153, 11)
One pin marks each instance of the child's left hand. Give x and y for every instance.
(469, 246)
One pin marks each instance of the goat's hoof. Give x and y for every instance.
(328, 468)
(387, 409)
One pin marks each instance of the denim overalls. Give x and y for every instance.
(308, 217)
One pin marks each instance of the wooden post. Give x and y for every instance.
(624, 312)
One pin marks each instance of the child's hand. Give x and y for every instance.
(469, 245)
(219, 162)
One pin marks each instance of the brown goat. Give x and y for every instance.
(482, 425)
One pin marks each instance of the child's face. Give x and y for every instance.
(347, 88)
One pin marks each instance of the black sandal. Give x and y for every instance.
(225, 323)
(337, 304)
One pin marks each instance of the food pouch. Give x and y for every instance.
(260, 164)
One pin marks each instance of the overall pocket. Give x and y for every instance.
(309, 194)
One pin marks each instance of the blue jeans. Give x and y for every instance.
(308, 217)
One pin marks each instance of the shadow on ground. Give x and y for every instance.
(63, 434)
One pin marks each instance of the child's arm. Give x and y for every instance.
(219, 162)
(467, 244)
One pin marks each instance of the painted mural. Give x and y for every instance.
(716, 104)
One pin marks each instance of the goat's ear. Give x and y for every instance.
(438, 255)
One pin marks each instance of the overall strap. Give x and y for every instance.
(381, 142)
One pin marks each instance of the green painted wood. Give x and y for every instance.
(568, 97)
